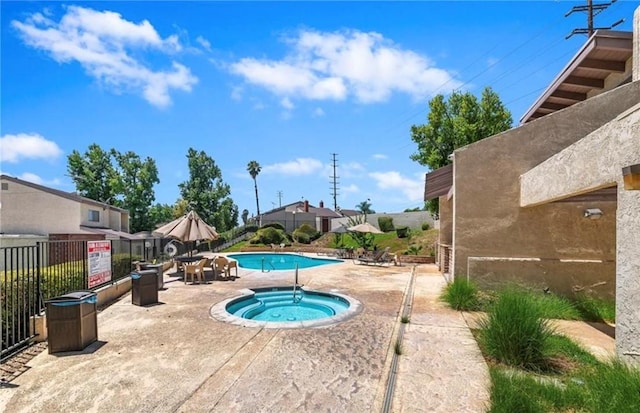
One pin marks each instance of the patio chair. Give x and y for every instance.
(379, 258)
(225, 265)
(194, 270)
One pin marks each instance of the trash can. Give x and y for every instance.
(72, 321)
(158, 269)
(144, 287)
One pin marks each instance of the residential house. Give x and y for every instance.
(545, 203)
(293, 215)
(30, 209)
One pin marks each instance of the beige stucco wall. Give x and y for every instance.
(489, 221)
(595, 161)
(26, 210)
(84, 215)
(445, 235)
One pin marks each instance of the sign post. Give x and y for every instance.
(99, 253)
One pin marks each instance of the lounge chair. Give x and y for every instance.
(379, 258)
(224, 265)
(194, 270)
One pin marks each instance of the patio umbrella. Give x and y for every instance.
(365, 227)
(188, 228)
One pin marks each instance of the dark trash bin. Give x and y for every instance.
(144, 287)
(72, 321)
(158, 269)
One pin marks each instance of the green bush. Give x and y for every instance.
(122, 265)
(514, 333)
(385, 224)
(275, 225)
(402, 232)
(595, 309)
(305, 232)
(461, 295)
(301, 237)
(425, 226)
(269, 235)
(250, 228)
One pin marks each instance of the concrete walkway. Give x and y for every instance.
(174, 357)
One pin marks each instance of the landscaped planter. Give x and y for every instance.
(417, 259)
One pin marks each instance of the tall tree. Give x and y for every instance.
(161, 214)
(454, 123)
(254, 169)
(93, 174)
(136, 179)
(365, 207)
(245, 216)
(207, 194)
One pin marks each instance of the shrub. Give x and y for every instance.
(461, 295)
(307, 231)
(425, 226)
(595, 309)
(301, 237)
(402, 232)
(385, 224)
(269, 235)
(414, 249)
(122, 265)
(250, 228)
(275, 225)
(514, 333)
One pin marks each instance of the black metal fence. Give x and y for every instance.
(30, 275)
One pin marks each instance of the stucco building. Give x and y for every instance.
(545, 202)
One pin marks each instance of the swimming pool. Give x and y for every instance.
(284, 307)
(278, 261)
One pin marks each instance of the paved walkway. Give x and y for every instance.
(174, 357)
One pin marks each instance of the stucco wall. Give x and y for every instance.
(26, 210)
(446, 221)
(489, 221)
(636, 45)
(413, 219)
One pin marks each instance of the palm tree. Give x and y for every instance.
(254, 169)
(365, 207)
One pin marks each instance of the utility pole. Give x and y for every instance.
(592, 11)
(279, 199)
(334, 181)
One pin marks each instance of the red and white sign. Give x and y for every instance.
(99, 253)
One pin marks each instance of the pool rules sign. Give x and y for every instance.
(99, 253)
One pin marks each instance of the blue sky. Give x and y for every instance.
(286, 84)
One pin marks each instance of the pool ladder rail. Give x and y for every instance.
(262, 266)
(295, 285)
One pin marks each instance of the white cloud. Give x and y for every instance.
(351, 169)
(350, 189)
(105, 45)
(413, 189)
(334, 66)
(299, 166)
(318, 112)
(379, 156)
(204, 42)
(236, 93)
(31, 177)
(286, 103)
(14, 148)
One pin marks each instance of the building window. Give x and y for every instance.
(5, 186)
(94, 216)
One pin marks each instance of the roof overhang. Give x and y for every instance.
(605, 53)
(438, 183)
(110, 233)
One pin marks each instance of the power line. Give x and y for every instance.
(592, 11)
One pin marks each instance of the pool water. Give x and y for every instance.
(283, 305)
(277, 261)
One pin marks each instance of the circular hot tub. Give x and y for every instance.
(286, 307)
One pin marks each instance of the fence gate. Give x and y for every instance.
(20, 297)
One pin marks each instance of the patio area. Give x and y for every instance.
(174, 357)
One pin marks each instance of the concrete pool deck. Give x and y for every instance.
(174, 357)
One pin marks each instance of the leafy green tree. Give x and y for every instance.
(94, 174)
(136, 179)
(245, 216)
(254, 169)
(161, 214)
(454, 123)
(207, 194)
(365, 207)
